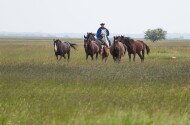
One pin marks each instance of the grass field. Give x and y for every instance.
(36, 89)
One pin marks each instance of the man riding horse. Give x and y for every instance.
(102, 35)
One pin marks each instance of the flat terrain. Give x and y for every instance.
(36, 89)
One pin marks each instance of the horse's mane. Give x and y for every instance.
(58, 40)
(90, 33)
(128, 39)
(91, 36)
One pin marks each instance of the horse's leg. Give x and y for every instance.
(106, 59)
(56, 56)
(114, 58)
(100, 48)
(60, 57)
(119, 60)
(64, 56)
(143, 51)
(92, 56)
(141, 57)
(119, 57)
(86, 56)
(68, 55)
(134, 54)
(129, 54)
(102, 57)
(96, 55)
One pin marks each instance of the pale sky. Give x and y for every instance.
(81, 16)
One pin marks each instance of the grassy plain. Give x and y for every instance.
(36, 89)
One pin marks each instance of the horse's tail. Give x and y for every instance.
(147, 49)
(73, 45)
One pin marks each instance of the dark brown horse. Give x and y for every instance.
(91, 37)
(62, 48)
(134, 47)
(117, 49)
(91, 47)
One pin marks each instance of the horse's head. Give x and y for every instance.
(91, 36)
(115, 39)
(115, 42)
(120, 38)
(56, 43)
(127, 40)
(85, 41)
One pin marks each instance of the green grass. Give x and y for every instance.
(37, 89)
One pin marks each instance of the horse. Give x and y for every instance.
(134, 47)
(91, 36)
(62, 48)
(91, 47)
(117, 49)
(105, 47)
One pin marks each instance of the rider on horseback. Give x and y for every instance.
(103, 33)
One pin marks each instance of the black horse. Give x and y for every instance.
(62, 48)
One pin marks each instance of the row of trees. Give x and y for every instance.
(155, 34)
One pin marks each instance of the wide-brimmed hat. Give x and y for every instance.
(102, 24)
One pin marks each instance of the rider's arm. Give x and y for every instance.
(98, 34)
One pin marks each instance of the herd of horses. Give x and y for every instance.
(94, 47)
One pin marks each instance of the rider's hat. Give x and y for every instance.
(102, 24)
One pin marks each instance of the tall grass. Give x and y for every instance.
(35, 88)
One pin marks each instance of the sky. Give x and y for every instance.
(81, 16)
